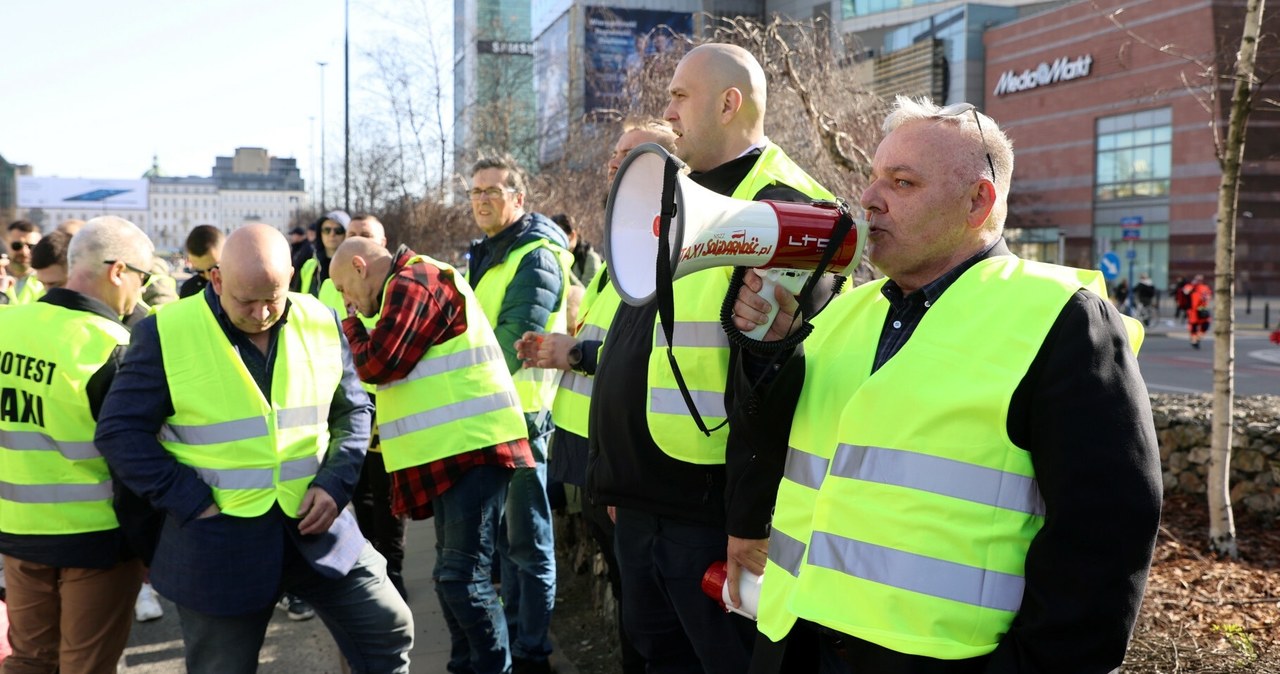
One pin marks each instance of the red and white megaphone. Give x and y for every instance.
(712, 230)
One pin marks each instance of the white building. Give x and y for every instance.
(179, 204)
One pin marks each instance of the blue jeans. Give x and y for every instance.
(369, 620)
(529, 559)
(466, 519)
(676, 627)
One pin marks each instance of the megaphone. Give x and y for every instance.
(712, 230)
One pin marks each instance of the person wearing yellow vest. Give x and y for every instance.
(682, 500)
(520, 273)
(19, 284)
(576, 355)
(238, 413)
(73, 541)
(372, 499)
(331, 232)
(452, 429)
(973, 483)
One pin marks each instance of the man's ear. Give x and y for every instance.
(730, 103)
(215, 280)
(360, 266)
(982, 199)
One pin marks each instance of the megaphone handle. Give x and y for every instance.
(791, 279)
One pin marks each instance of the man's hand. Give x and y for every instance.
(744, 553)
(209, 512)
(318, 511)
(550, 350)
(751, 310)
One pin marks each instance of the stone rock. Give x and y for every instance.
(1177, 462)
(1191, 483)
(1249, 461)
(1262, 503)
(1170, 481)
(1199, 455)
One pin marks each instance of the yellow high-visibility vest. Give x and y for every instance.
(573, 399)
(252, 451)
(52, 478)
(458, 398)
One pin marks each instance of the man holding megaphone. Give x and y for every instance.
(683, 501)
(972, 481)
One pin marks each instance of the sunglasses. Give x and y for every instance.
(333, 230)
(960, 109)
(146, 275)
(16, 246)
(202, 272)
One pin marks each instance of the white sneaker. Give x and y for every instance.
(147, 606)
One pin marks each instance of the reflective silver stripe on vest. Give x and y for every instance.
(786, 551)
(299, 417)
(592, 333)
(429, 367)
(299, 468)
(578, 383)
(693, 333)
(937, 475)
(40, 442)
(451, 412)
(917, 573)
(212, 434)
(237, 478)
(805, 469)
(669, 401)
(55, 493)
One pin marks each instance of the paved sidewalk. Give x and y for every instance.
(306, 647)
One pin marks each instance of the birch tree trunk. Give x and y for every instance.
(1222, 530)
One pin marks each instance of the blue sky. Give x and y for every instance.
(92, 89)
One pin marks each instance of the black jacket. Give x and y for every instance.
(625, 467)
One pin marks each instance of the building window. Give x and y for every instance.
(1134, 155)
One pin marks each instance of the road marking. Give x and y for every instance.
(1173, 389)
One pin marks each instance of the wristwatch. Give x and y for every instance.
(575, 355)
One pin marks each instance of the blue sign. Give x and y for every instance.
(1131, 234)
(1131, 228)
(1110, 266)
(1131, 254)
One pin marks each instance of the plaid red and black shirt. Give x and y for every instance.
(415, 317)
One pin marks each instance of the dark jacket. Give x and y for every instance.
(625, 467)
(534, 292)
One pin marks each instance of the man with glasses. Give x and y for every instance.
(333, 231)
(972, 481)
(238, 413)
(23, 286)
(204, 251)
(520, 272)
(71, 559)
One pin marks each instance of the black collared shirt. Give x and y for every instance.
(906, 311)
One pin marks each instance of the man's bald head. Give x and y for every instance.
(252, 278)
(730, 66)
(717, 105)
(358, 270)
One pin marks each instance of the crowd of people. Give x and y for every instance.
(914, 483)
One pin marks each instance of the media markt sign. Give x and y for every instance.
(1061, 70)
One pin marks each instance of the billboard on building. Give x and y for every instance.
(84, 193)
(618, 42)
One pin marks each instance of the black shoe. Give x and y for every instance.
(1195, 345)
(295, 608)
(524, 666)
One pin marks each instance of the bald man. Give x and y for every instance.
(453, 433)
(238, 414)
(685, 499)
(372, 499)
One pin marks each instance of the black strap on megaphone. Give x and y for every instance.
(844, 223)
(665, 291)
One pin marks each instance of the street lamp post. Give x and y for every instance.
(322, 64)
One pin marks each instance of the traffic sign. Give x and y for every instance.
(1131, 228)
(1131, 254)
(1110, 266)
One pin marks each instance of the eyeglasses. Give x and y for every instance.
(202, 272)
(333, 230)
(146, 275)
(490, 194)
(16, 246)
(960, 109)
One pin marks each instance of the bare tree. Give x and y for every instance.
(1246, 84)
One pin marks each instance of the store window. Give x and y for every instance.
(1042, 244)
(1134, 155)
